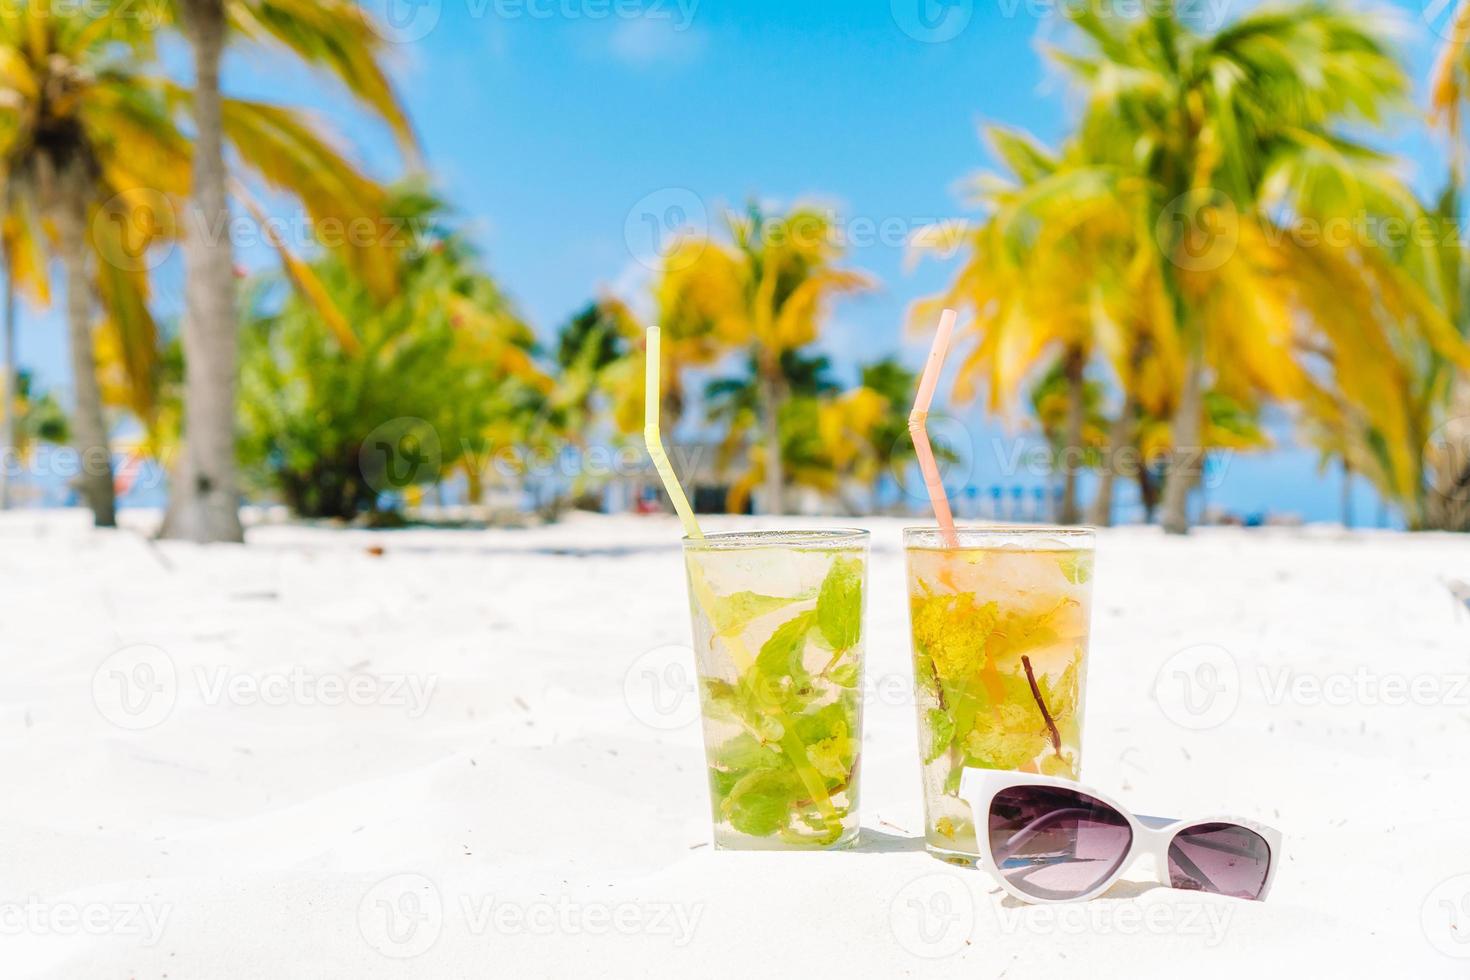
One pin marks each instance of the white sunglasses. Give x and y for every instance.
(1051, 840)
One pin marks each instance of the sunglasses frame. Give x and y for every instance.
(1151, 835)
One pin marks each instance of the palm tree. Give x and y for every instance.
(1220, 126)
(447, 349)
(1448, 505)
(766, 292)
(1385, 405)
(9, 381)
(338, 36)
(1056, 274)
(86, 143)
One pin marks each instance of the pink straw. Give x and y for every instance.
(919, 432)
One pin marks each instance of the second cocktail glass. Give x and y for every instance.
(1000, 620)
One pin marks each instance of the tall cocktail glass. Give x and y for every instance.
(778, 638)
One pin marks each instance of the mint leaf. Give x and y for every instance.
(825, 722)
(941, 732)
(781, 655)
(732, 613)
(760, 803)
(840, 604)
(833, 757)
(845, 675)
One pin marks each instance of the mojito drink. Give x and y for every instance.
(778, 631)
(1000, 629)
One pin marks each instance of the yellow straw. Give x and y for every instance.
(791, 744)
(919, 432)
(654, 441)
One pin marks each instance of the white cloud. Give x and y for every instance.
(645, 42)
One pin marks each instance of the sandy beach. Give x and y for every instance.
(476, 754)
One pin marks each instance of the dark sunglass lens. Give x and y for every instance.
(1224, 858)
(1055, 843)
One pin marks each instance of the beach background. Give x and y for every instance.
(343, 616)
(518, 786)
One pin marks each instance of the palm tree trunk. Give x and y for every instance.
(9, 386)
(1119, 436)
(1185, 460)
(1076, 418)
(204, 497)
(89, 428)
(1447, 507)
(771, 399)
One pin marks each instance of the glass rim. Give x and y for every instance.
(775, 538)
(1072, 536)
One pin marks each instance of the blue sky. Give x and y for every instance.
(559, 127)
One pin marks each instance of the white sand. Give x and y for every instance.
(516, 815)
